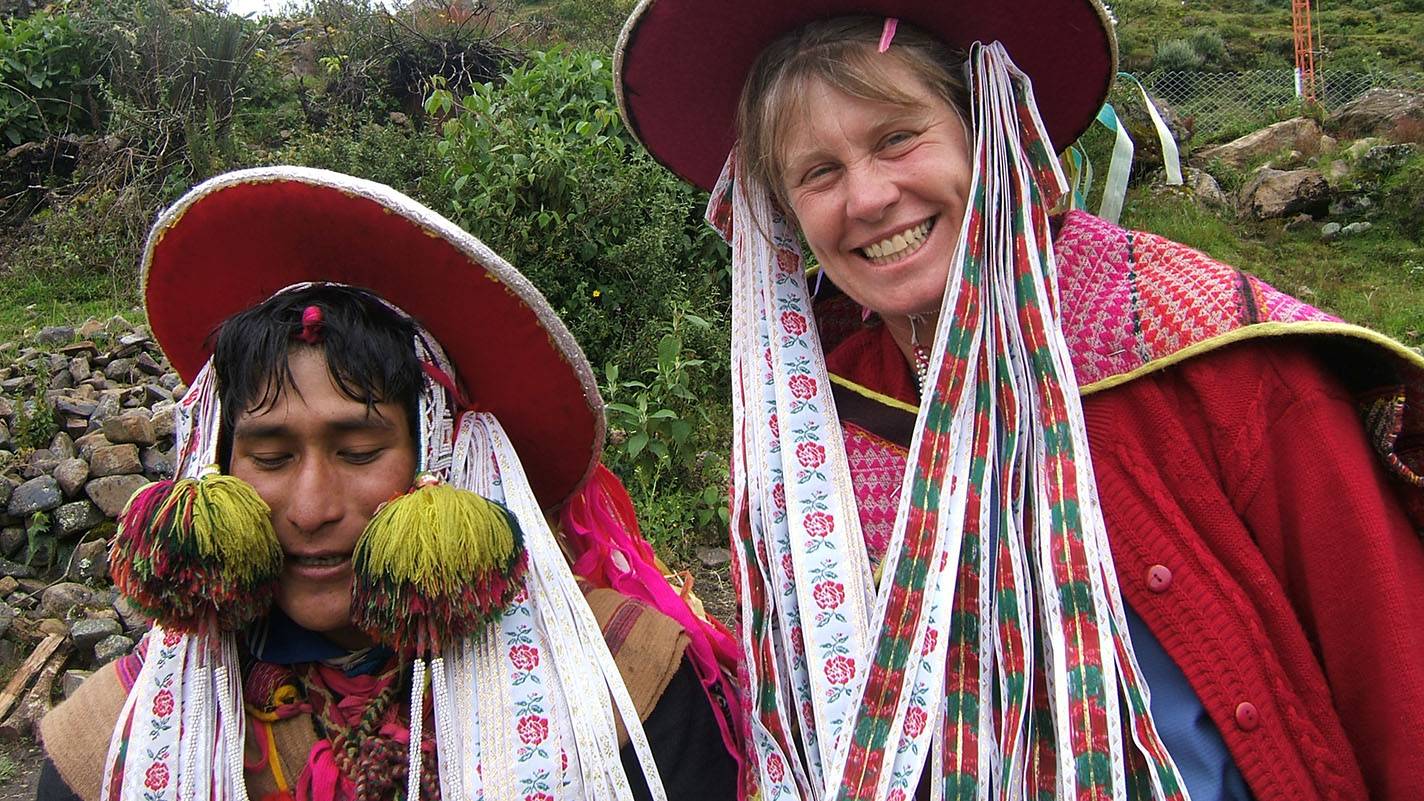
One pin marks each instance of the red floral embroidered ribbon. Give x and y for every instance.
(996, 648)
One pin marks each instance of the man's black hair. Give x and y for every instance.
(369, 350)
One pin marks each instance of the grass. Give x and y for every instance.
(1375, 279)
(8, 768)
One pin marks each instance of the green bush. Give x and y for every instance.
(1176, 54)
(541, 168)
(46, 74)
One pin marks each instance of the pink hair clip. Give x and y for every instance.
(311, 325)
(888, 35)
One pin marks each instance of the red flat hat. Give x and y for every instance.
(681, 63)
(235, 240)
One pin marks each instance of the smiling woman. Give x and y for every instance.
(1001, 468)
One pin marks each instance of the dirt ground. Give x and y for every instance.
(20, 762)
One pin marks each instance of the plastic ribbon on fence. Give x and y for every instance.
(1171, 160)
(1115, 189)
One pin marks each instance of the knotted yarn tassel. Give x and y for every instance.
(197, 552)
(434, 565)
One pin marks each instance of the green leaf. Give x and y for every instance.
(636, 443)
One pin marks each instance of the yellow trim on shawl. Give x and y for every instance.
(1242, 334)
(873, 395)
(1254, 331)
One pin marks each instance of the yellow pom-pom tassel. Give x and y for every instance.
(434, 564)
(197, 552)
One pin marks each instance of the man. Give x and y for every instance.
(384, 432)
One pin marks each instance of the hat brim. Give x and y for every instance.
(681, 64)
(235, 240)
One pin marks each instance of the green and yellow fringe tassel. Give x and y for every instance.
(197, 553)
(434, 565)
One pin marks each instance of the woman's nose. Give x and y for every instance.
(870, 191)
(314, 498)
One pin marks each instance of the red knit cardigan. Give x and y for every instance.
(1256, 533)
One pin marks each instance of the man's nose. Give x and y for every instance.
(315, 498)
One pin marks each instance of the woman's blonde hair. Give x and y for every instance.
(844, 53)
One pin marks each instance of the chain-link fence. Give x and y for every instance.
(1219, 105)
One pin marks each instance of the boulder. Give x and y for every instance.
(1356, 228)
(1302, 134)
(7, 616)
(91, 442)
(1330, 231)
(87, 632)
(1375, 112)
(1283, 193)
(36, 495)
(55, 335)
(1204, 187)
(1382, 160)
(91, 560)
(130, 427)
(15, 569)
(157, 463)
(130, 615)
(111, 648)
(163, 419)
(71, 475)
(110, 493)
(12, 539)
(60, 599)
(76, 518)
(115, 460)
(119, 370)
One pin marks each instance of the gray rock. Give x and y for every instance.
(41, 462)
(1350, 205)
(83, 347)
(91, 560)
(76, 518)
(1385, 160)
(163, 419)
(130, 427)
(12, 539)
(15, 569)
(61, 380)
(7, 490)
(111, 648)
(1356, 228)
(108, 406)
(87, 633)
(55, 335)
(60, 599)
(110, 493)
(1330, 231)
(63, 446)
(157, 462)
(714, 557)
(36, 495)
(169, 380)
(1204, 187)
(1301, 133)
(148, 366)
(70, 681)
(1376, 112)
(74, 407)
(1276, 193)
(119, 370)
(1338, 169)
(8, 584)
(91, 442)
(7, 616)
(71, 475)
(130, 615)
(79, 369)
(1360, 147)
(115, 460)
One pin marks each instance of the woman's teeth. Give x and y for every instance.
(901, 244)
(319, 561)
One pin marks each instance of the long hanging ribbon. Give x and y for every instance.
(998, 573)
(1115, 188)
(1171, 159)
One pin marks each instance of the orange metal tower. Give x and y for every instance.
(1304, 51)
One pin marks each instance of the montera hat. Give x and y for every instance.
(681, 64)
(235, 240)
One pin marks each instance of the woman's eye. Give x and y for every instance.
(816, 173)
(897, 138)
